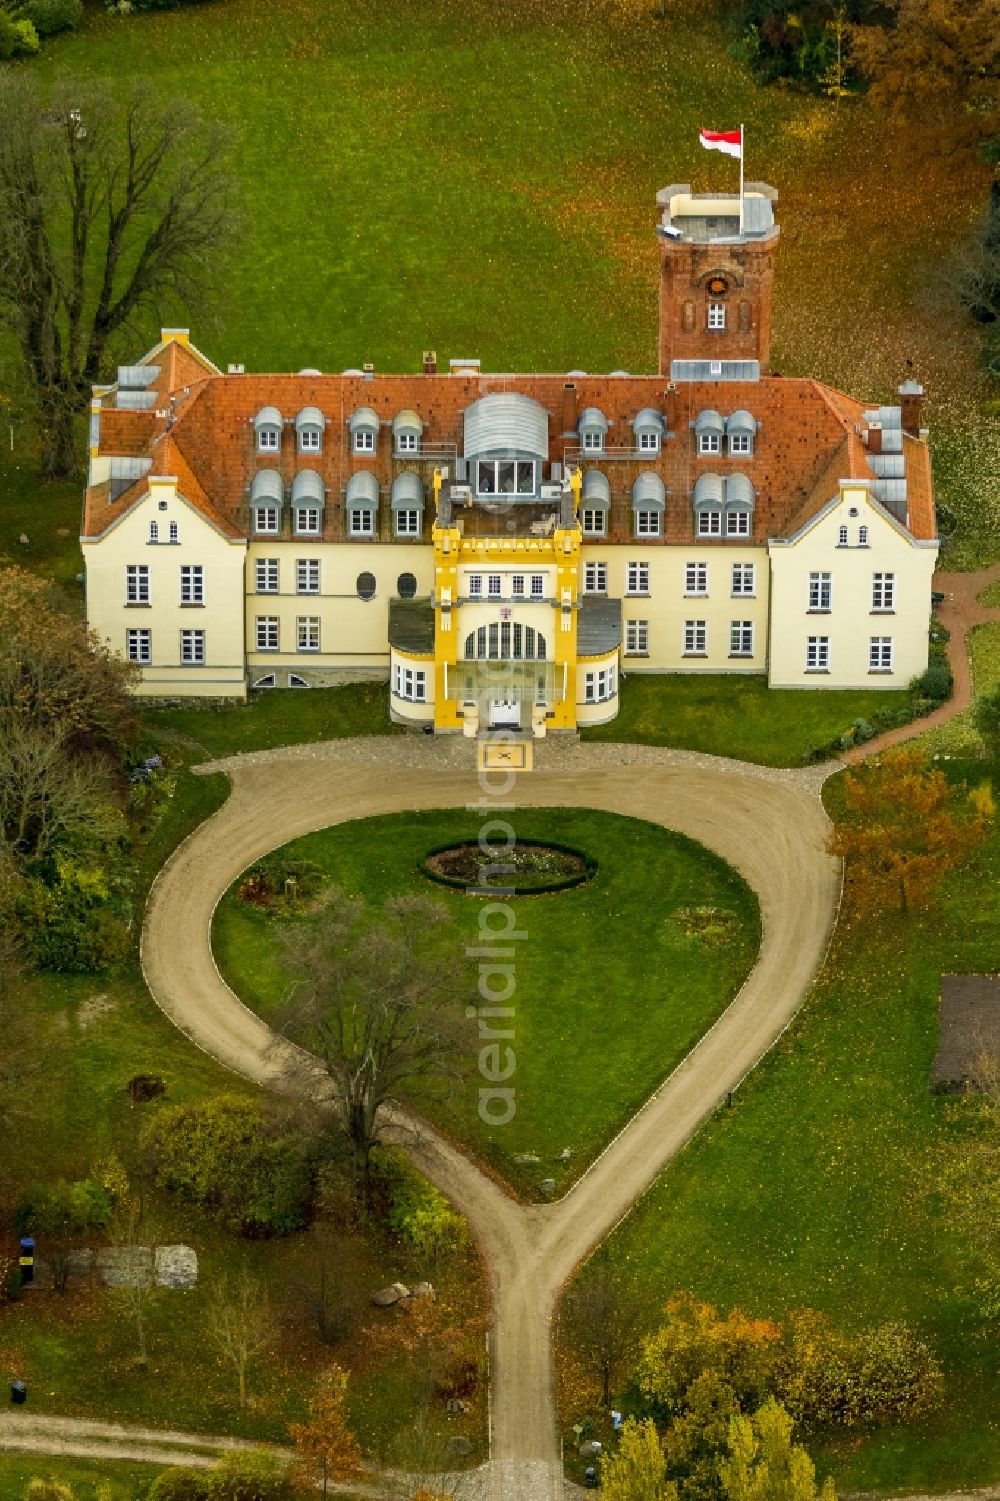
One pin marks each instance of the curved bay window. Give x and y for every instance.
(505, 641)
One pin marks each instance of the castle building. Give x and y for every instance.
(503, 547)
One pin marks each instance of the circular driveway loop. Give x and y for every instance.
(770, 826)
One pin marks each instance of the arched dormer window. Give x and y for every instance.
(593, 430)
(709, 498)
(308, 496)
(506, 443)
(739, 505)
(362, 504)
(740, 432)
(648, 497)
(266, 498)
(364, 425)
(595, 503)
(407, 430)
(648, 427)
(709, 429)
(267, 427)
(407, 504)
(309, 425)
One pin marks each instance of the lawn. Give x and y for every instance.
(281, 717)
(739, 717)
(49, 516)
(812, 1189)
(123, 1480)
(959, 737)
(654, 989)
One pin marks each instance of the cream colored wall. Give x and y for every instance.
(403, 709)
(220, 617)
(602, 712)
(506, 568)
(353, 632)
(667, 609)
(851, 621)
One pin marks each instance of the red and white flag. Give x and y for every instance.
(729, 141)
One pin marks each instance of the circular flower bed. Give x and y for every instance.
(536, 867)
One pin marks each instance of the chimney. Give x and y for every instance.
(430, 362)
(874, 437)
(911, 397)
(569, 407)
(670, 407)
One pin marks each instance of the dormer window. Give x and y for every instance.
(364, 425)
(505, 477)
(267, 427)
(740, 431)
(647, 504)
(593, 429)
(716, 317)
(307, 503)
(709, 429)
(407, 430)
(266, 496)
(362, 504)
(309, 425)
(648, 429)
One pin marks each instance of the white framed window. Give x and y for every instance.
(192, 584)
(538, 586)
(883, 591)
(862, 536)
(137, 584)
(842, 537)
(695, 578)
(716, 316)
(407, 442)
(695, 638)
(636, 638)
(709, 443)
(737, 523)
(266, 632)
(364, 440)
(307, 633)
(192, 648)
(154, 531)
(817, 654)
(265, 575)
(505, 477)
(173, 534)
(494, 585)
(593, 440)
(361, 522)
(744, 580)
(709, 524)
(880, 654)
(517, 585)
(310, 440)
(475, 586)
(600, 685)
(740, 443)
(595, 578)
(594, 522)
(820, 591)
(307, 521)
(139, 646)
(410, 683)
(649, 442)
(741, 638)
(266, 519)
(307, 575)
(647, 523)
(637, 578)
(407, 523)
(268, 439)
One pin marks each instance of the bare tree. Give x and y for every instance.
(108, 211)
(238, 1323)
(604, 1318)
(48, 797)
(378, 1006)
(137, 1286)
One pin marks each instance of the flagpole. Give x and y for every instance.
(742, 145)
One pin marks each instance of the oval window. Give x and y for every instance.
(406, 585)
(366, 586)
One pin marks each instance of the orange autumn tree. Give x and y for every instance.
(906, 827)
(325, 1448)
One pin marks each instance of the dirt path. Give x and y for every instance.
(959, 611)
(769, 825)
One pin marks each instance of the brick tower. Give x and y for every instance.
(716, 279)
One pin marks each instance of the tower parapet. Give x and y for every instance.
(716, 276)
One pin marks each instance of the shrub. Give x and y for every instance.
(17, 38)
(422, 1216)
(179, 1485)
(48, 1490)
(222, 1155)
(50, 16)
(863, 731)
(832, 1379)
(936, 683)
(250, 1476)
(73, 922)
(986, 718)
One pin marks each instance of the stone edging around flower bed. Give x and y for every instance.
(566, 883)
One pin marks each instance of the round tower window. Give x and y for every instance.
(366, 586)
(406, 585)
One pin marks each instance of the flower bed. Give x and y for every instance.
(537, 867)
